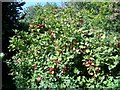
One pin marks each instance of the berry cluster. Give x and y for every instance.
(92, 68)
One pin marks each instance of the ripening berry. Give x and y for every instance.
(48, 69)
(90, 70)
(80, 25)
(94, 76)
(30, 26)
(64, 66)
(31, 51)
(58, 50)
(17, 61)
(40, 26)
(56, 68)
(64, 45)
(37, 49)
(64, 70)
(42, 79)
(53, 35)
(62, 52)
(48, 31)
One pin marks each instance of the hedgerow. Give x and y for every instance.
(60, 51)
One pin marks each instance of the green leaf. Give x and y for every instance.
(76, 71)
(78, 78)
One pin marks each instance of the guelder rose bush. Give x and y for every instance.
(59, 52)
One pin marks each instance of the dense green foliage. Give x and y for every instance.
(99, 14)
(65, 48)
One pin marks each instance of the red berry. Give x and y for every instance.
(38, 79)
(42, 79)
(57, 62)
(68, 40)
(95, 65)
(51, 72)
(97, 70)
(81, 20)
(89, 62)
(52, 69)
(89, 66)
(74, 43)
(34, 66)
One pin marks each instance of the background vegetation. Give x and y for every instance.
(11, 14)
